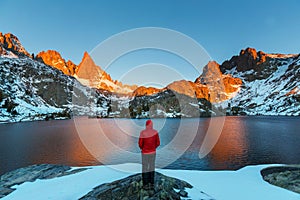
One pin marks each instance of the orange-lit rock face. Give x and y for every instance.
(2, 50)
(89, 74)
(219, 86)
(231, 84)
(54, 59)
(93, 74)
(71, 67)
(183, 87)
(142, 91)
(212, 85)
(249, 52)
(1, 38)
(12, 43)
(190, 89)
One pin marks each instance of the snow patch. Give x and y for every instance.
(246, 183)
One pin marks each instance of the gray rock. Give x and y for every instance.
(131, 188)
(32, 173)
(183, 193)
(5, 191)
(287, 177)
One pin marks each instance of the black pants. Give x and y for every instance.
(148, 162)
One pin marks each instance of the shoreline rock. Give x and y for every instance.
(32, 173)
(287, 177)
(131, 188)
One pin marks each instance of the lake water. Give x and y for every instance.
(83, 142)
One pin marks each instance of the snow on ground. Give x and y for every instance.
(245, 184)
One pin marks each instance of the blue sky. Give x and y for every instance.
(223, 28)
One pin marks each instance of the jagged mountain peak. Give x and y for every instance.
(220, 87)
(212, 69)
(54, 59)
(251, 82)
(252, 52)
(50, 57)
(11, 43)
(87, 63)
(87, 69)
(86, 55)
(255, 64)
(269, 82)
(89, 74)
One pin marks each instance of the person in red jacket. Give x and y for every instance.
(148, 142)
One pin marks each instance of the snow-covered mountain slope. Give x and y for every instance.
(251, 83)
(30, 90)
(270, 83)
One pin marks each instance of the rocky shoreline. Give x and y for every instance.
(130, 187)
(32, 173)
(127, 188)
(287, 177)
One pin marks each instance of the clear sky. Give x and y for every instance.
(222, 27)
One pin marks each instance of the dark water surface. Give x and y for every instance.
(243, 141)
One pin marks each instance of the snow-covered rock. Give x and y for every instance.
(270, 83)
(251, 83)
(11, 43)
(30, 90)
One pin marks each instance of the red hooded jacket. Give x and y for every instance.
(149, 139)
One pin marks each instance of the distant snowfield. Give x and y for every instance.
(243, 184)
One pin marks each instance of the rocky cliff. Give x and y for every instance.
(251, 83)
(32, 90)
(91, 75)
(220, 87)
(10, 43)
(270, 83)
(54, 59)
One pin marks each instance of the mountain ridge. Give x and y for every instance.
(54, 59)
(250, 83)
(267, 79)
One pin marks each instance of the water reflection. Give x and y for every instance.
(56, 142)
(244, 141)
(231, 147)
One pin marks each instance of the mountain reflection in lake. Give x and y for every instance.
(243, 141)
